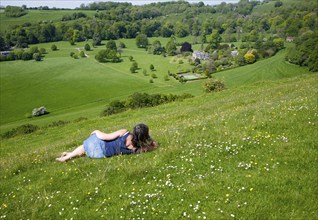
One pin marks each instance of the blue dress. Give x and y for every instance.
(97, 148)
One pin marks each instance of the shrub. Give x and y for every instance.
(249, 58)
(58, 123)
(114, 107)
(23, 129)
(53, 47)
(213, 85)
(87, 47)
(141, 100)
(152, 68)
(82, 54)
(37, 57)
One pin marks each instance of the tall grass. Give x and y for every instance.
(243, 153)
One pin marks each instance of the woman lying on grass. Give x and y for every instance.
(100, 144)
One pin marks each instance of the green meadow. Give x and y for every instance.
(248, 152)
(66, 85)
(72, 88)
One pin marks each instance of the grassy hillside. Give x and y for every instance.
(61, 83)
(72, 88)
(245, 153)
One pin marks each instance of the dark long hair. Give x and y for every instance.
(142, 140)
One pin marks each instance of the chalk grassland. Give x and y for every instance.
(248, 152)
(72, 88)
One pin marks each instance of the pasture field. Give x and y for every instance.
(248, 152)
(72, 88)
(63, 84)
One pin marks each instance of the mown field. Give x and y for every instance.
(248, 152)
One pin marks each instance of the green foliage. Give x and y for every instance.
(114, 108)
(23, 129)
(87, 47)
(156, 48)
(82, 54)
(37, 57)
(14, 11)
(141, 100)
(214, 40)
(142, 41)
(151, 67)
(107, 55)
(213, 85)
(53, 47)
(249, 58)
(171, 47)
(111, 45)
(306, 51)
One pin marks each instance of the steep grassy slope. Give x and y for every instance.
(245, 153)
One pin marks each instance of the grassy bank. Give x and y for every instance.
(247, 152)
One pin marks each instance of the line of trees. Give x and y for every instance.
(235, 22)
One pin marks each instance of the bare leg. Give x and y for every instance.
(79, 151)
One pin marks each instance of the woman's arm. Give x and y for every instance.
(110, 136)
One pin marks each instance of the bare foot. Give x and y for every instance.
(64, 154)
(61, 159)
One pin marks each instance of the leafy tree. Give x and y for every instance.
(240, 60)
(167, 30)
(141, 41)
(76, 36)
(53, 47)
(111, 45)
(171, 47)
(37, 57)
(156, 48)
(82, 54)
(152, 68)
(181, 30)
(132, 69)
(249, 58)
(214, 39)
(279, 43)
(34, 49)
(135, 65)
(26, 56)
(42, 50)
(107, 55)
(305, 53)
(87, 47)
(122, 45)
(97, 39)
(185, 47)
